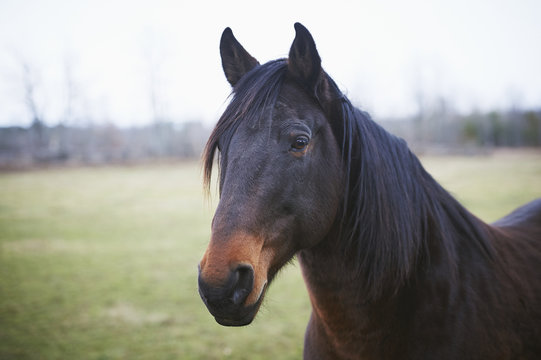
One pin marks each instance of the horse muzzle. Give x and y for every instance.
(227, 301)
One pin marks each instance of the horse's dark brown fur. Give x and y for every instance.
(395, 267)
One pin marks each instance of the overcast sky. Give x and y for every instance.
(478, 54)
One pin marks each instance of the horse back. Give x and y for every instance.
(517, 242)
(526, 218)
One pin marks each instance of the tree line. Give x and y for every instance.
(79, 140)
(40, 144)
(449, 131)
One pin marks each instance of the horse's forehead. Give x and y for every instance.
(294, 104)
(293, 96)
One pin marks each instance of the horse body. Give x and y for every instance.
(475, 307)
(395, 267)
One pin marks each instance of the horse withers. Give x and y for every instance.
(395, 267)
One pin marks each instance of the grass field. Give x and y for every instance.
(101, 263)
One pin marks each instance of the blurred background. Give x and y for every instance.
(116, 81)
(105, 107)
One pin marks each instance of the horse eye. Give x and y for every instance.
(301, 142)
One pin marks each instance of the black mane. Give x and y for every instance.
(395, 213)
(392, 208)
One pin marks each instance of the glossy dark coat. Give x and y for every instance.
(395, 267)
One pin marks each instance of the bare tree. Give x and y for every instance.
(38, 143)
(154, 56)
(29, 86)
(70, 91)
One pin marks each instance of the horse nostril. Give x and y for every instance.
(239, 296)
(244, 282)
(234, 291)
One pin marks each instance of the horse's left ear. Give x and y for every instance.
(304, 63)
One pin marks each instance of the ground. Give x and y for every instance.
(101, 263)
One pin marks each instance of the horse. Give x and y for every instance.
(395, 267)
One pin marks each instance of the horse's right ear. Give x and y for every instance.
(235, 60)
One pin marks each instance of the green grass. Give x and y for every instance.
(490, 186)
(101, 263)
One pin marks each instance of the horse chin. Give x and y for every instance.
(230, 322)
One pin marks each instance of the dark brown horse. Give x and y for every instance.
(395, 267)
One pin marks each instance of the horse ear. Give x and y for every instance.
(235, 60)
(304, 63)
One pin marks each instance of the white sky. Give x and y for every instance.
(479, 54)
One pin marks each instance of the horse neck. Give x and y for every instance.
(414, 238)
(399, 223)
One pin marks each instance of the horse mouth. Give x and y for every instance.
(241, 317)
